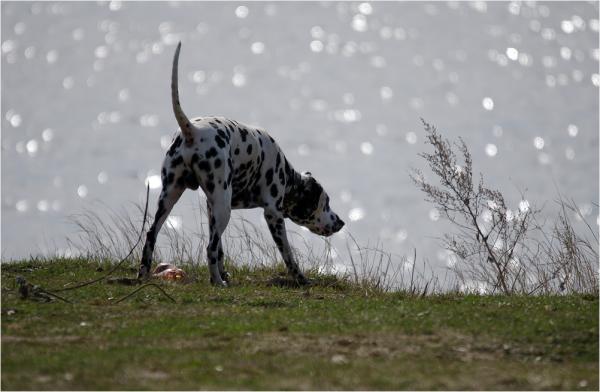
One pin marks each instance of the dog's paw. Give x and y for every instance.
(215, 283)
(303, 280)
(225, 276)
(143, 273)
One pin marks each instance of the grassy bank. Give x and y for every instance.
(259, 335)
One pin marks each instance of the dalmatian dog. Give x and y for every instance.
(237, 166)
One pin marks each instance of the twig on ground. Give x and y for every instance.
(143, 287)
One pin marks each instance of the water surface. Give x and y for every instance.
(86, 112)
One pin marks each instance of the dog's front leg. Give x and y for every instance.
(276, 225)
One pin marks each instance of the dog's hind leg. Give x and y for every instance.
(220, 255)
(169, 195)
(276, 225)
(224, 274)
(219, 211)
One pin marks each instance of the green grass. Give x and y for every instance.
(254, 335)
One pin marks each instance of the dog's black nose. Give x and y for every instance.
(338, 225)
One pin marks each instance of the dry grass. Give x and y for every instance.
(107, 235)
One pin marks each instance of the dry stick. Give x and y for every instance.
(412, 272)
(352, 258)
(143, 287)
(55, 296)
(122, 260)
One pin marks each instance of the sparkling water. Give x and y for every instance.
(86, 111)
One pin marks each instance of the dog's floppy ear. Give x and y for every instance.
(309, 179)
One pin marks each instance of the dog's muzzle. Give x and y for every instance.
(337, 226)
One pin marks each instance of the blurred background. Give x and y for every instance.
(86, 111)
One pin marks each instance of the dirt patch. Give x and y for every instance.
(41, 339)
(152, 375)
(377, 345)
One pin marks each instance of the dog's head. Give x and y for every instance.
(308, 206)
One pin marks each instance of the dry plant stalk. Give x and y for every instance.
(490, 235)
(505, 250)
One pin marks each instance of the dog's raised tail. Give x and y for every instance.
(182, 119)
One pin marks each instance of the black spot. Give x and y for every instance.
(244, 134)
(177, 161)
(214, 244)
(175, 145)
(220, 142)
(211, 153)
(191, 181)
(237, 151)
(217, 163)
(151, 237)
(288, 168)
(210, 186)
(195, 158)
(249, 149)
(182, 180)
(170, 178)
(274, 191)
(281, 176)
(278, 161)
(269, 176)
(204, 166)
(223, 134)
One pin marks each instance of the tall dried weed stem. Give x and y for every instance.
(499, 249)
